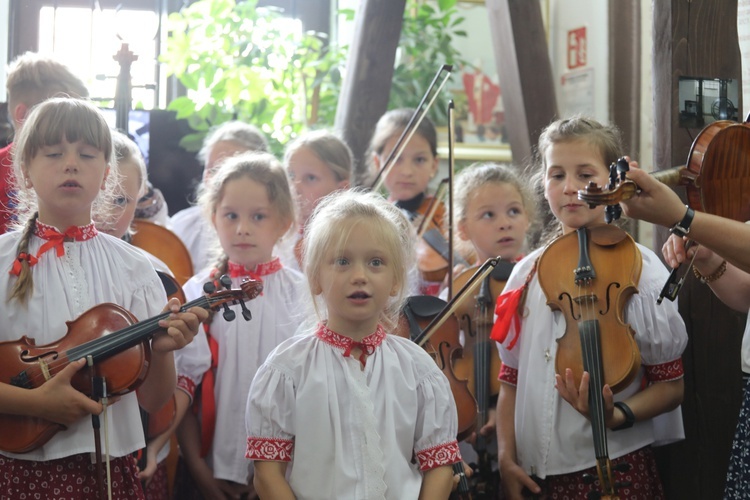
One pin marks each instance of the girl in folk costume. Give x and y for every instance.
(494, 209)
(356, 412)
(545, 431)
(58, 266)
(318, 163)
(227, 140)
(411, 173)
(249, 202)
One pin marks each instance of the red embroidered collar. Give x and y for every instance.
(367, 345)
(263, 269)
(54, 239)
(73, 233)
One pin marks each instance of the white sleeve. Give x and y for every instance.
(659, 329)
(437, 422)
(269, 416)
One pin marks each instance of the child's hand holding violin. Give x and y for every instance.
(180, 327)
(57, 401)
(578, 397)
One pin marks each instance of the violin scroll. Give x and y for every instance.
(619, 188)
(249, 289)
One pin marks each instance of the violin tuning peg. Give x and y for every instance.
(246, 312)
(621, 467)
(226, 281)
(209, 287)
(589, 478)
(228, 314)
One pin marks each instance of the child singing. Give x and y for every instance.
(358, 413)
(57, 266)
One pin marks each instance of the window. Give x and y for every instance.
(86, 40)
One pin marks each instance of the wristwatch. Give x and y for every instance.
(682, 228)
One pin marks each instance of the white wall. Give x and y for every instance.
(4, 22)
(583, 89)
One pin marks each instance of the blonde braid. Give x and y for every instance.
(25, 283)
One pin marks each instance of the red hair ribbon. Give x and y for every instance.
(18, 263)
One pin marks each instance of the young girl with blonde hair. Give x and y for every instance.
(358, 413)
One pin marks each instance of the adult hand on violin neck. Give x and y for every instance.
(578, 397)
(655, 202)
(180, 327)
(57, 401)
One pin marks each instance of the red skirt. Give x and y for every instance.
(69, 478)
(642, 477)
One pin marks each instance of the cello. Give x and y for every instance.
(589, 275)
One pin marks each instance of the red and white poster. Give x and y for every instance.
(577, 48)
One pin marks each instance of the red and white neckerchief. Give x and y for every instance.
(508, 310)
(53, 239)
(264, 269)
(367, 345)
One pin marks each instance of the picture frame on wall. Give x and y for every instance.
(480, 125)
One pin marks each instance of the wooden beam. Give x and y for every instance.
(523, 66)
(625, 71)
(366, 88)
(697, 38)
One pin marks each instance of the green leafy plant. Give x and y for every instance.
(427, 42)
(240, 61)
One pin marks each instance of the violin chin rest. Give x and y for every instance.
(607, 235)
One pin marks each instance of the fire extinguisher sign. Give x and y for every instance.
(577, 49)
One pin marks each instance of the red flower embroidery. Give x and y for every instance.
(437, 456)
(273, 449)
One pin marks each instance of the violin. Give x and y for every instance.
(120, 357)
(480, 363)
(433, 250)
(715, 180)
(591, 293)
(444, 347)
(165, 245)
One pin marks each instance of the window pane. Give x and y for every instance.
(86, 41)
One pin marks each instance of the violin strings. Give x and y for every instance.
(104, 345)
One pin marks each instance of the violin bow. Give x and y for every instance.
(451, 131)
(412, 125)
(482, 272)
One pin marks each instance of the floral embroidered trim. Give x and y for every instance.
(508, 375)
(263, 269)
(437, 456)
(367, 345)
(664, 372)
(78, 233)
(56, 239)
(274, 449)
(186, 385)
